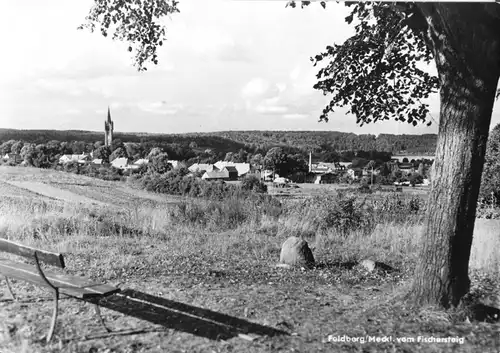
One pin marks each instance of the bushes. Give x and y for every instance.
(178, 182)
(224, 214)
(345, 213)
(159, 163)
(340, 213)
(253, 183)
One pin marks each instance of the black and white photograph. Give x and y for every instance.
(249, 176)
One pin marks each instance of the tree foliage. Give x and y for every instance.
(490, 183)
(276, 159)
(159, 163)
(253, 183)
(117, 153)
(102, 152)
(137, 22)
(375, 72)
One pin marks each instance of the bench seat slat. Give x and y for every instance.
(79, 287)
(50, 258)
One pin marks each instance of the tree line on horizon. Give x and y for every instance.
(316, 142)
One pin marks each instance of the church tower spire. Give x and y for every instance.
(108, 130)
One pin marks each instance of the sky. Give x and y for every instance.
(226, 65)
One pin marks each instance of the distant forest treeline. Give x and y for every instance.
(337, 141)
(231, 141)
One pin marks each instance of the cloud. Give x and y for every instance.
(303, 80)
(295, 73)
(160, 107)
(271, 109)
(259, 88)
(295, 116)
(73, 111)
(206, 42)
(234, 53)
(104, 87)
(281, 86)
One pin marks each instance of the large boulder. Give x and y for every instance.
(296, 252)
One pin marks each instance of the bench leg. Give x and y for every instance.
(54, 315)
(10, 289)
(99, 316)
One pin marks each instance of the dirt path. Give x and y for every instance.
(52, 192)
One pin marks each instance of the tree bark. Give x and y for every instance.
(465, 39)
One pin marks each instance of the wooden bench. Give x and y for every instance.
(73, 286)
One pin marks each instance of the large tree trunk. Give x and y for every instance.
(466, 44)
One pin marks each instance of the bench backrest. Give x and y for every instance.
(50, 258)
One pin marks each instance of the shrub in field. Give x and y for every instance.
(253, 183)
(341, 213)
(214, 215)
(72, 167)
(45, 227)
(364, 189)
(398, 208)
(416, 178)
(113, 174)
(189, 213)
(228, 213)
(345, 214)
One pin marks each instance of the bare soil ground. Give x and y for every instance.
(28, 182)
(195, 291)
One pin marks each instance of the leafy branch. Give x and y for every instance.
(137, 22)
(375, 72)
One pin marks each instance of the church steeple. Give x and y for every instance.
(108, 130)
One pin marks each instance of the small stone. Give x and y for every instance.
(367, 264)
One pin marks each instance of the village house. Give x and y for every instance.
(242, 168)
(232, 172)
(174, 164)
(202, 167)
(324, 172)
(406, 168)
(96, 162)
(78, 158)
(319, 168)
(355, 173)
(141, 161)
(120, 163)
(13, 157)
(216, 175)
(344, 165)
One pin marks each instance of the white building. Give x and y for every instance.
(120, 163)
(242, 168)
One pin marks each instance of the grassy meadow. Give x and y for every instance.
(214, 263)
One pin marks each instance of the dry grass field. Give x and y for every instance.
(191, 287)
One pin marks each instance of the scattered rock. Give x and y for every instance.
(371, 265)
(367, 264)
(296, 252)
(283, 266)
